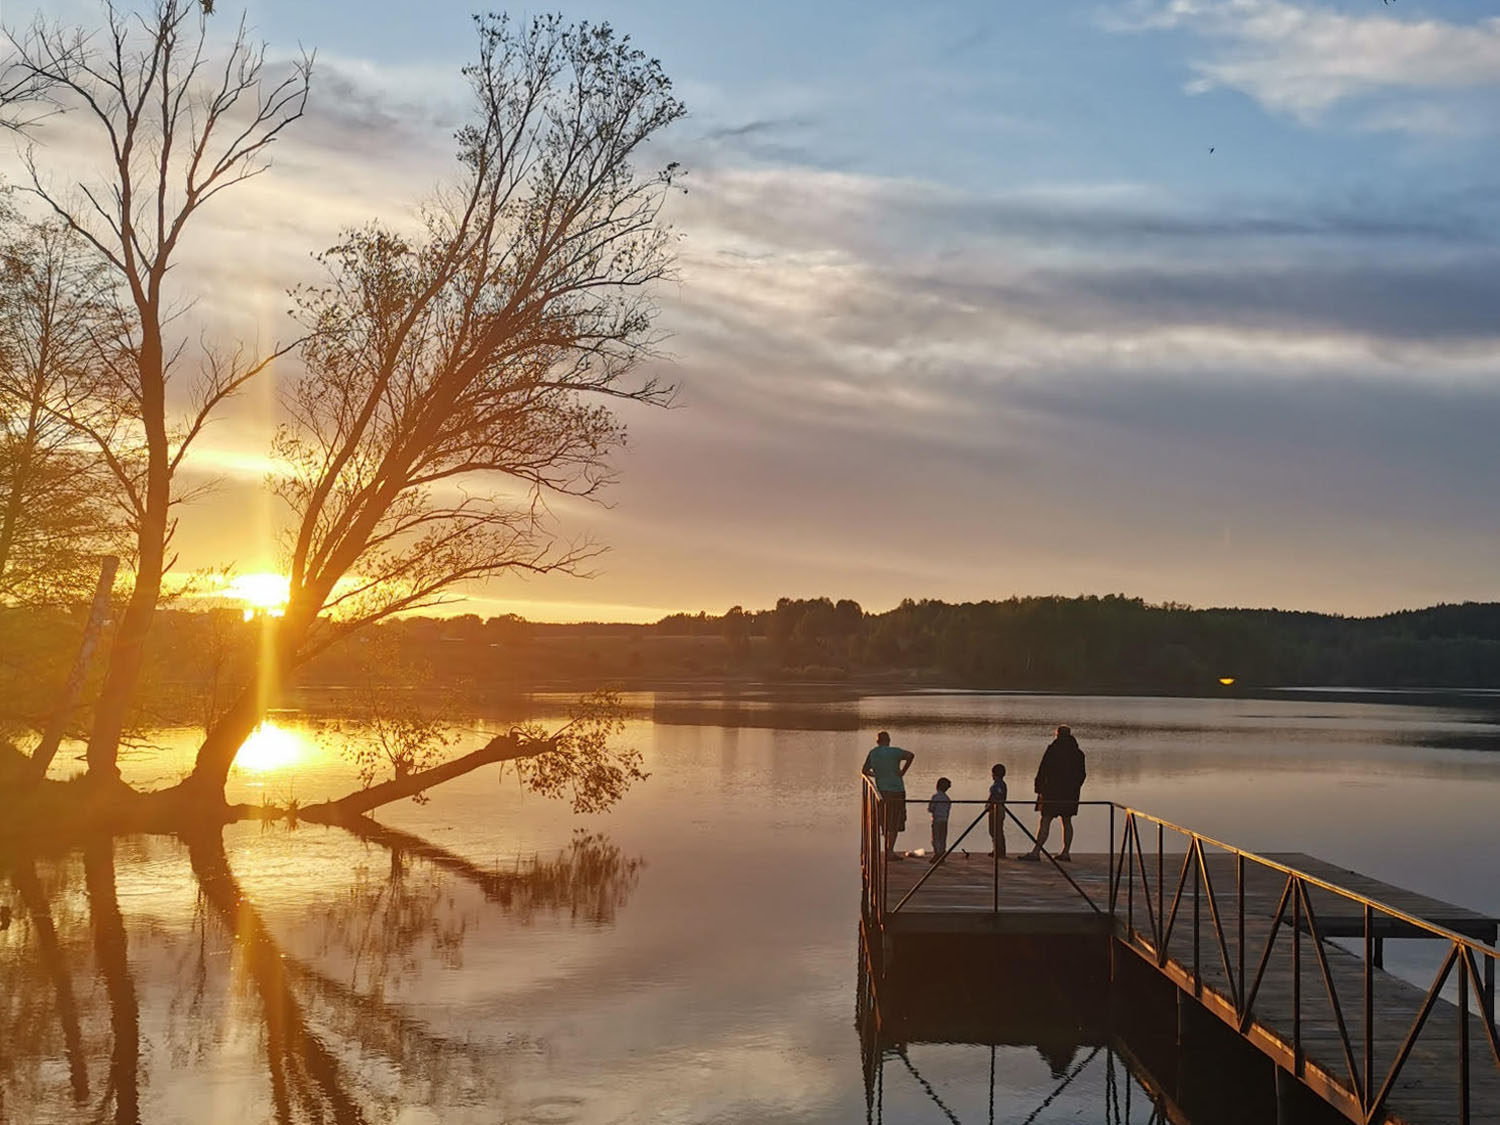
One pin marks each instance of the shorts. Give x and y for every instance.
(894, 810)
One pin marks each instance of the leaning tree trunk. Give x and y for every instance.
(41, 757)
(501, 748)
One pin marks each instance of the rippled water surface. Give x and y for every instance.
(689, 957)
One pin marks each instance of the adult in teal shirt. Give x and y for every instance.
(888, 764)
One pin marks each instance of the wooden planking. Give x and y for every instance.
(964, 885)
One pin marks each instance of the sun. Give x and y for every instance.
(264, 593)
(270, 747)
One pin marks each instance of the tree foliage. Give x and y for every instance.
(179, 124)
(58, 327)
(457, 375)
(585, 763)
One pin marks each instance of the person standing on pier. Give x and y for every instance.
(1059, 780)
(940, 805)
(999, 794)
(887, 765)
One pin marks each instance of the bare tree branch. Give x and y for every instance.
(178, 128)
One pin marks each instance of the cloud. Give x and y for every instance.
(897, 294)
(1302, 60)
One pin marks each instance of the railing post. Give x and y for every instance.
(1297, 976)
(1197, 973)
(1161, 882)
(1239, 890)
(867, 821)
(1130, 883)
(1369, 1007)
(1463, 1040)
(1113, 884)
(995, 856)
(1489, 986)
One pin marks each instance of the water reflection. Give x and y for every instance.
(984, 1028)
(272, 747)
(215, 1017)
(967, 1048)
(712, 985)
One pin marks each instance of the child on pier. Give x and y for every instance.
(939, 807)
(998, 793)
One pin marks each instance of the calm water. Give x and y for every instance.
(689, 957)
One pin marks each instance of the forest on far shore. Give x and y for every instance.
(1106, 644)
(1083, 644)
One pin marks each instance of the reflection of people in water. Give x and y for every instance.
(1059, 1056)
(1059, 780)
(887, 765)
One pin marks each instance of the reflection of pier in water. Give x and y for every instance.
(979, 1001)
(1279, 959)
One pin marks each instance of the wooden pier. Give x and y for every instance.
(1286, 949)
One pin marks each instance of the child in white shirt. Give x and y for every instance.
(939, 807)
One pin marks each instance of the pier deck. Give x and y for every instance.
(1035, 898)
(1249, 940)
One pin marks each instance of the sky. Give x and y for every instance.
(1194, 300)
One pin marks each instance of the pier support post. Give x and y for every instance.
(1192, 1066)
(1286, 1098)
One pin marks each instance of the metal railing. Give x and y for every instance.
(1148, 928)
(872, 837)
(1363, 1091)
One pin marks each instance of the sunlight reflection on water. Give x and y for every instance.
(272, 746)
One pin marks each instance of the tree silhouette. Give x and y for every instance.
(177, 129)
(446, 367)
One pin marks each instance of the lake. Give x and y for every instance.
(691, 956)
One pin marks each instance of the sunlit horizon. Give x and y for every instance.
(260, 593)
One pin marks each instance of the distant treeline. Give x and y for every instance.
(1108, 644)
(1088, 644)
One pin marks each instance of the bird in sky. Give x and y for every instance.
(1211, 150)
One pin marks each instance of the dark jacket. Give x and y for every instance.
(1061, 774)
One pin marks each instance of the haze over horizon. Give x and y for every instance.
(966, 306)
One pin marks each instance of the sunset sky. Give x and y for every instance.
(967, 308)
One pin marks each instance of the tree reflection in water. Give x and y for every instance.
(332, 1046)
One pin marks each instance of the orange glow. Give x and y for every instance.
(1227, 681)
(270, 748)
(262, 593)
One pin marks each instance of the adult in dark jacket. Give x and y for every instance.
(1059, 779)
